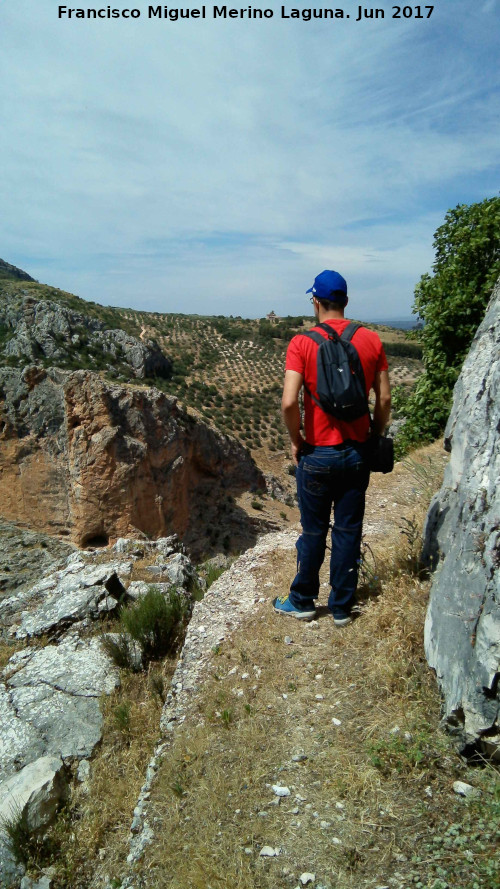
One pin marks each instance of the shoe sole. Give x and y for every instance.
(306, 615)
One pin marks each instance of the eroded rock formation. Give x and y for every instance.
(462, 540)
(91, 460)
(40, 330)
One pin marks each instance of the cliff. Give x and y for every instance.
(462, 541)
(93, 461)
(41, 331)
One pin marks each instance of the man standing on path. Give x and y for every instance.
(331, 459)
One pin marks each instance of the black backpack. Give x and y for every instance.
(341, 380)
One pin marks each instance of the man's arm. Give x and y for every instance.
(382, 410)
(291, 411)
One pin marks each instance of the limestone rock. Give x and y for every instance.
(50, 702)
(19, 740)
(35, 792)
(82, 457)
(68, 596)
(42, 329)
(11, 871)
(24, 555)
(462, 542)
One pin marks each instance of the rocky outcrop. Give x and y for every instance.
(41, 331)
(50, 691)
(24, 555)
(85, 458)
(462, 541)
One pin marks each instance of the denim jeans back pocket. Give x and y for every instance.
(316, 479)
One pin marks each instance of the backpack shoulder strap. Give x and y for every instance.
(318, 339)
(314, 335)
(350, 330)
(332, 333)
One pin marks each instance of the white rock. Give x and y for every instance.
(325, 824)
(280, 791)
(36, 791)
(466, 790)
(305, 879)
(336, 841)
(336, 721)
(319, 697)
(83, 771)
(269, 852)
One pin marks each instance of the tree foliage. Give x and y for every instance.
(452, 303)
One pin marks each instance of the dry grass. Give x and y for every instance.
(92, 832)
(373, 789)
(216, 782)
(7, 649)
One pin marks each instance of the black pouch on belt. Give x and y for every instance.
(381, 453)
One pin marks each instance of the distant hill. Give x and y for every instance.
(11, 272)
(404, 322)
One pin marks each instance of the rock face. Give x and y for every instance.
(44, 331)
(84, 458)
(462, 540)
(24, 555)
(50, 691)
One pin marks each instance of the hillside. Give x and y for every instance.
(266, 753)
(227, 371)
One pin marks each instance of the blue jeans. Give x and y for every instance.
(327, 476)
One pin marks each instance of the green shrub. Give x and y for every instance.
(155, 623)
(120, 652)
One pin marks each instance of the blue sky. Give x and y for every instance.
(217, 166)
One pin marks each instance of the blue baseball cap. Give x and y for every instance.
(327, 283)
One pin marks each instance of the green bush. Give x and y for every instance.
(155, 623)
(452, 304)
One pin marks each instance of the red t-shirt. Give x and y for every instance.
(321, 428)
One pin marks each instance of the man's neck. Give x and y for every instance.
(334, 315)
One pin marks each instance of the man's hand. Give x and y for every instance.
(297, 449)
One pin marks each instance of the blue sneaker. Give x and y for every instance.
(342, 621)
(283, 605)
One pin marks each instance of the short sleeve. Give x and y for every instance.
(295, 357)
(382, 360)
